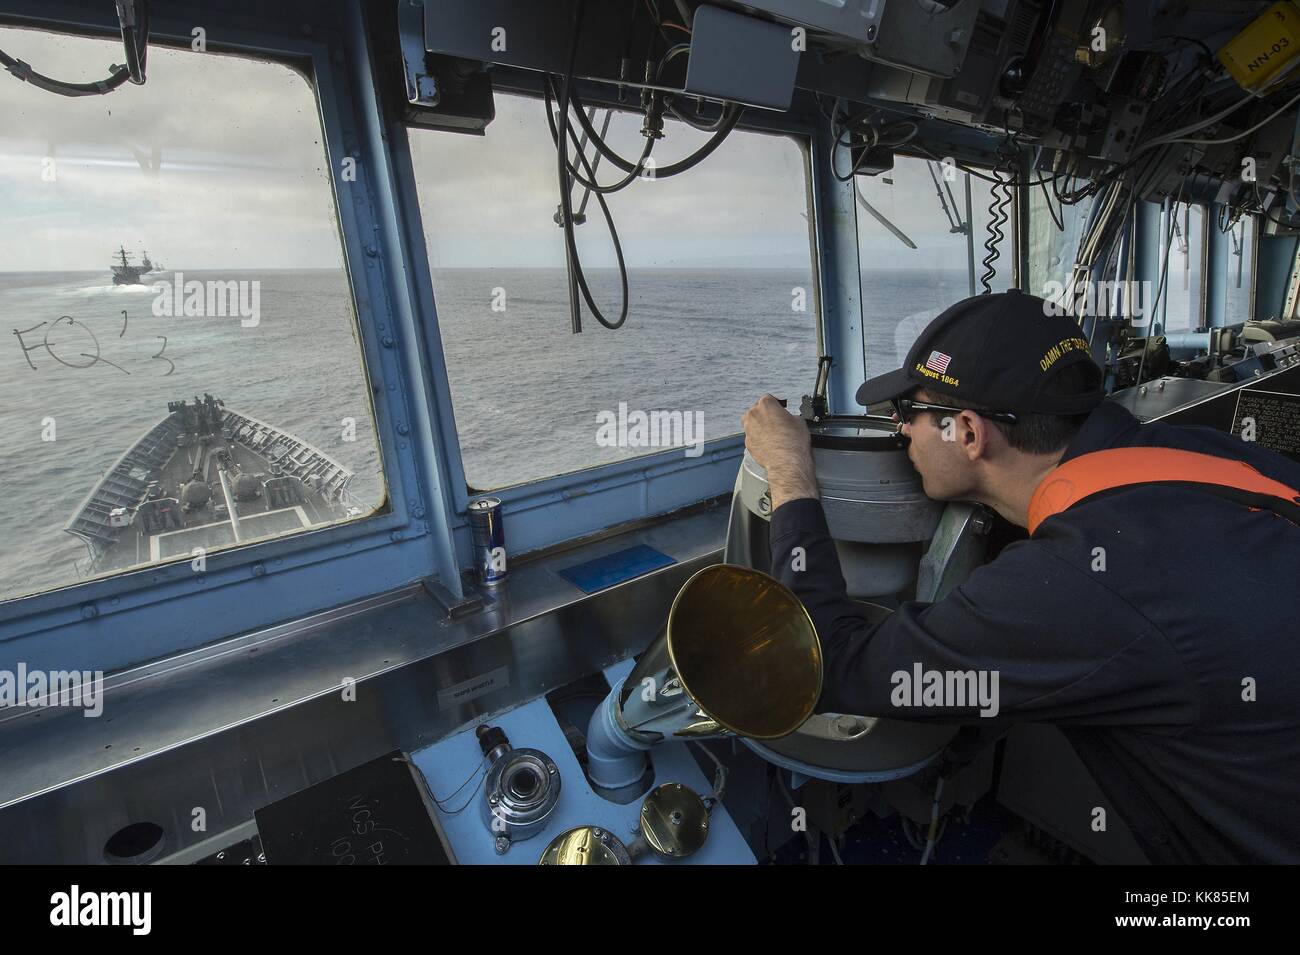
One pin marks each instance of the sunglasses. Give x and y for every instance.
(906, 409)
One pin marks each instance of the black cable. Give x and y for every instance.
(821, 107)
(862, 157)
(1174, 107)
(482, 764)
(724, 120)
(702, 126)
(1269, 214)
(871, 135)
(669, 100)
(573, 137)
(999, 198)
(1059, 220)
(847, 125)
(566, 200)
(613, 187)
(1098, 183)
(930, 154)
(1169, 113)
(917, 147)
(733, 116)
(24, 72)
(135, 42)
(1274, 217)
(1170, 108)
(567, 95)
(876, 139)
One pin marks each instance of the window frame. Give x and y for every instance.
(1219, 280)
(332, 57)
(559, 508)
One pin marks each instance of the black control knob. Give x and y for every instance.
(490, 737)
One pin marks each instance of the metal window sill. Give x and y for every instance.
(154, 708)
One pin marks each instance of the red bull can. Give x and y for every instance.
(489, 536)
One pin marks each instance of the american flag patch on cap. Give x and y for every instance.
(938, 361)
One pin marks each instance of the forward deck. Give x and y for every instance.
(177, 491)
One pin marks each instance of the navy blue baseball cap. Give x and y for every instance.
(999, 351)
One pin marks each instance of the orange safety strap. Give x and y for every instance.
(1100, 471)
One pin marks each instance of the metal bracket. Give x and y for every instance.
(421, 87)
(451, 605)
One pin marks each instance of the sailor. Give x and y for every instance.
(1150, 613)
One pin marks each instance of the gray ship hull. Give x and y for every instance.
(123, 526)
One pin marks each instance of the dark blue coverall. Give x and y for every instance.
(1146, 666)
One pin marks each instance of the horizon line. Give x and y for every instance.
(489, 268)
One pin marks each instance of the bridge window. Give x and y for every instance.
(1239, 264)
(1184, 283)
(722, 305)
(1055, 231)
(914, 254)
(181, 367)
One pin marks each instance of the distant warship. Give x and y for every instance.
(127, 274)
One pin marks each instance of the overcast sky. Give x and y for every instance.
(217, 162)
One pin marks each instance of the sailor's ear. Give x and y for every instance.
(974, 434)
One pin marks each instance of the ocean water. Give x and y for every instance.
(99, 387)
(708, 342)
(527, 392)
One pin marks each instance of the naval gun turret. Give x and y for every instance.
(196, 493)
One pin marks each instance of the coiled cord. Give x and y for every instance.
(1005, 172)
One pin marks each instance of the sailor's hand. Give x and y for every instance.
(779, 442)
